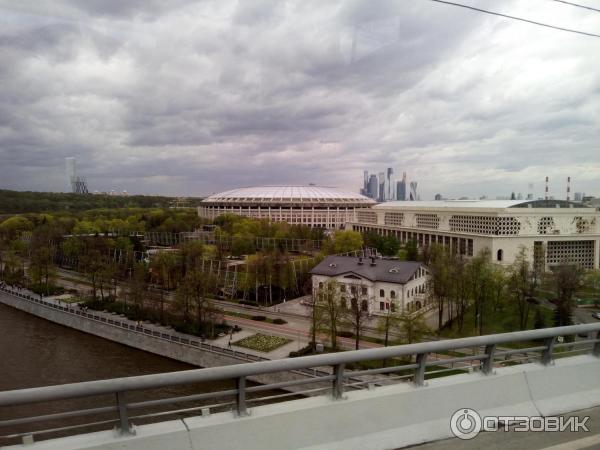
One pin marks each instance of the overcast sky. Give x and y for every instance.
(191, 98)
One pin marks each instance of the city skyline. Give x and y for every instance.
(268, 93)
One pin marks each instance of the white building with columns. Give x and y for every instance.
(561, 231)
(380, 285)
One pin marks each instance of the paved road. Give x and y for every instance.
(501, 440)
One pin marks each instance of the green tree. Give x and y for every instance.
(478, 273)
(459, 288)
(137, 288)
(567, 279)
(520, 285)
(344, 242)
(412, 250)
(388, 324)
(328, 300)
(317, 316)
(356, 316)
(413, 327)
(12, 227)
(199, 285)
(41, 267)
(440, 281)
(165, 266)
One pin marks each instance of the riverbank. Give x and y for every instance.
(165, 343)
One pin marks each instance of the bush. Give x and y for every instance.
(41, 289)
(259, 318)
(262, 342)
(279, 321)
(346, 334)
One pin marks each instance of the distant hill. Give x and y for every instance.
(16, 202)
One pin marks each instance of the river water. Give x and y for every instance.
(35, 352)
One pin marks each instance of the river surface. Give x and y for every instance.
(35, 352)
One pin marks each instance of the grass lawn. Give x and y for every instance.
(262, 342)
(503, 321)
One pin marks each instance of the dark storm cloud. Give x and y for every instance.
(196, 97)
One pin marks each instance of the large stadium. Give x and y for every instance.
(314, 206)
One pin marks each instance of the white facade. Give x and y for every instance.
(566, 232)
(380, 296)
(314, 206)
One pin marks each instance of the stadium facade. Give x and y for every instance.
(314, 206)
(555, 230)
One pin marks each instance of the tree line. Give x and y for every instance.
(476, 294)
(16, 202)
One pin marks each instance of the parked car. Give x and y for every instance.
(596, 315)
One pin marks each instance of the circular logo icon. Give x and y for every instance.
(465, 423)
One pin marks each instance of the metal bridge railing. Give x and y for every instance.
(407, 362)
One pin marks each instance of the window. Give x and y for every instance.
(353, 289)
(393, 306)
(499, 255)
(321, 285)
(392, 294)
(364, 290)
(343, 303)
(387, 306)
(381, 306)
(364, 305)
(343, 288)
(381, 293)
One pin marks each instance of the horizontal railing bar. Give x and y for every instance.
(182, 410)
(443, 362)
(378, 380)
(283, 384)
(448, 369)
(569, 352)
(358, 373)
(278, 396)
(522, 358)
(62, 415)
(582, 342)
(521, 350)
(188, 398)
(91, 388)
(53, 430)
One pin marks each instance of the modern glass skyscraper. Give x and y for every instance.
(401, 188)
(373, 189)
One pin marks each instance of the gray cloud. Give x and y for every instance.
(196, 97)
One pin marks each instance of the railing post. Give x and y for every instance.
(124, 425)
(241, 397)
(420, 370)
(596, 349)
(547, 352)
(488, 364)
(338, 381)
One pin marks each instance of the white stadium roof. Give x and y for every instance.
(291, 194)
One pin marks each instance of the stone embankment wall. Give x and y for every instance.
(160, 343)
